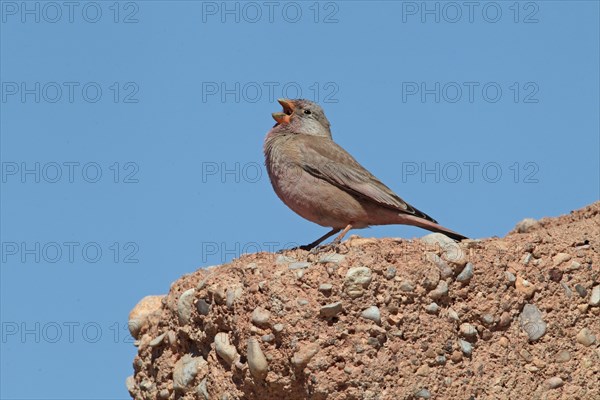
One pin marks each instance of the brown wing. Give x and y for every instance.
(324, 159)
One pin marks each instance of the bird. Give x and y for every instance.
(323, 183)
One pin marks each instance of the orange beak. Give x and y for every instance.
(285, 116)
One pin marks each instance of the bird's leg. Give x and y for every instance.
(319, 240)
(339, 238)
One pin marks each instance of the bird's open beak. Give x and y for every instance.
(288, 109)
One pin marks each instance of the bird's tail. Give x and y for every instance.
(434, 227)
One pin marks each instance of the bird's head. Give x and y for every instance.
(302, 116)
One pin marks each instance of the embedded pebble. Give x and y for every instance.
(560, 258)
(586, 337)
(487, 319)
(278, 328)
(299, 265)
(440, 291)
(356, 281)
(331, 310)
(423, 394)
(554, 382)
(281, 259)
(157, 340)
(453, 315)
(185, 370)
(407, 286)
(526, 225)
(268, 338)
(580, 290)
(203, 307)
(467, 330)
(225, 349)
(466, 274)
(184, 306)
(595, 297)
(302, 302)
(138, 317)
(443, 267)
(510, 277)
(432, 277)
(532, 323)
(332, 258)
(525, 287)
(260, 316)
(372, 313)
(390, 272)
(563, 356)
(567, 289)
(465, 347)
(232, 295)
(304, 354)
(201, 390)
(130, 383)
(432, 308)
(325, 288)
(257, 362)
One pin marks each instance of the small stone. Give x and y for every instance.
(225, 349)
(503, 341)
(202, 390)
(268, 338)
(184, 306)
(465, 347)
(563, 356)
(432, 308)
(456, 356)
(423, 394)
(299, 265)
(586, 337)
(560, 258)
(302, 302)
(431, 279)
(555, 274)
(532, 323)
(164, 394)
(525, 355)
(257, 362)
(390, 272)
(595, 297)
(466, 274)
(407, 286)
(468, 331)
(130, 384)
(203, 307)
(574, 266)
(147, 385)
(278, 328)
(185, 370)
(510, 277)
(525, 287)
(260, 316)
(423, 370)
(325, 288)
(372, 313)
(440, 291)
(356, 281)
(138, 317)
(581, 290)
(526, 225)
(487, 319)
(157, 340)
(554, 382)
(331, 310)
(442, 266)
(567, 289)
(304, 354)
(453, 315)
(332, 258)
(281, 259)
(232, 295)
(440, 360)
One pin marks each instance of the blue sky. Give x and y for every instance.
(131, 145)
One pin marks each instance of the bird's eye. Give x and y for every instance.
(307, 112)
